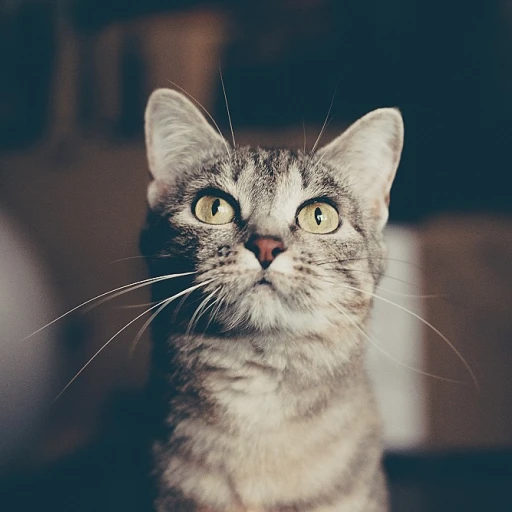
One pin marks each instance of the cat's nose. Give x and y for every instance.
(265, 248)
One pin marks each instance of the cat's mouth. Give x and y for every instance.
(268, 278)
(264, 281)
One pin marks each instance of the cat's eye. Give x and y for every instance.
(214, 210)
(320, 218)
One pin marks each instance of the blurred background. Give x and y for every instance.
(75, 76)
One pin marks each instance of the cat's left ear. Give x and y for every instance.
(178, 140)
(368, 153)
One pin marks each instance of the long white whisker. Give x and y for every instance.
(304, 131)
(400, 294)
(365, 258)
(198, 310)
(215, 305)
(227, 107)
(428, 324)
(204, 110)
(415, 285)
(374, 274)
(411, 295)
(215, 312)
(179, 306)
(325, 123)
(126, 287)
(101, 349)
(138, 336)
(211, 305)
(167, 301)
(319, 161)
(126, 259)
(122, 292)
(142, 330)
(135, 306)
(380, 349)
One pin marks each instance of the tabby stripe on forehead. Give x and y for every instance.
(237, 166)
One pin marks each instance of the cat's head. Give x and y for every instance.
(285, 238)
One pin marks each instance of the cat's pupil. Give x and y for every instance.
(215, 207)
(318, 216)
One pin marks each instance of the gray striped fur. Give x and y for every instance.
(266, 404)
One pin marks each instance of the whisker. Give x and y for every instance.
(101, 349)
(141, 256)
(316, 164)
(198, 309)
(204, 110)
(122, 292)
(388, 276)
(325, 122)
(380, 257)
(348, 260)
(142, 330)
(126, 259)
(412, 295)
(227, 106)
(211, 305)
(388, 290)
(179, 306)
(135, 306)
(127, 288)
(428, 324)
(394, 359)
(215, 312)
(165, 301)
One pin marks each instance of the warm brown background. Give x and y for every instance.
(468, 259)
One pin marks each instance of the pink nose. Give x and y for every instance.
(265, 248)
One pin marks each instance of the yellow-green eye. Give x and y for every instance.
(214, 210)
(318, 218)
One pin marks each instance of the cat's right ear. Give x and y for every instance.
(367, 154)
(178, 139)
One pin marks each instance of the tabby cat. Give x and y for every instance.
(268, 260)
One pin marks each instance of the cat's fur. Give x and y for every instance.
(265, 406)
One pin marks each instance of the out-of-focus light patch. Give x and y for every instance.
(400, 390)
(27, 366)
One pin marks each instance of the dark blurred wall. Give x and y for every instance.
(446, 65)
(463, 111)
(27, 49)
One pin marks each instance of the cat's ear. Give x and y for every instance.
(368, 153)
(178, 137)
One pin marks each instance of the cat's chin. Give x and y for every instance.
(262, 308)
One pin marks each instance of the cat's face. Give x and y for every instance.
(283, 239)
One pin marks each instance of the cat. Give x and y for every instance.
(258, 383)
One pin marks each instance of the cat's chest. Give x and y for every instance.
(252, 397)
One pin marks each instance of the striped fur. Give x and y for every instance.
(264, 405)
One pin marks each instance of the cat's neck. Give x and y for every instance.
(268, 389)
(302, 360)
